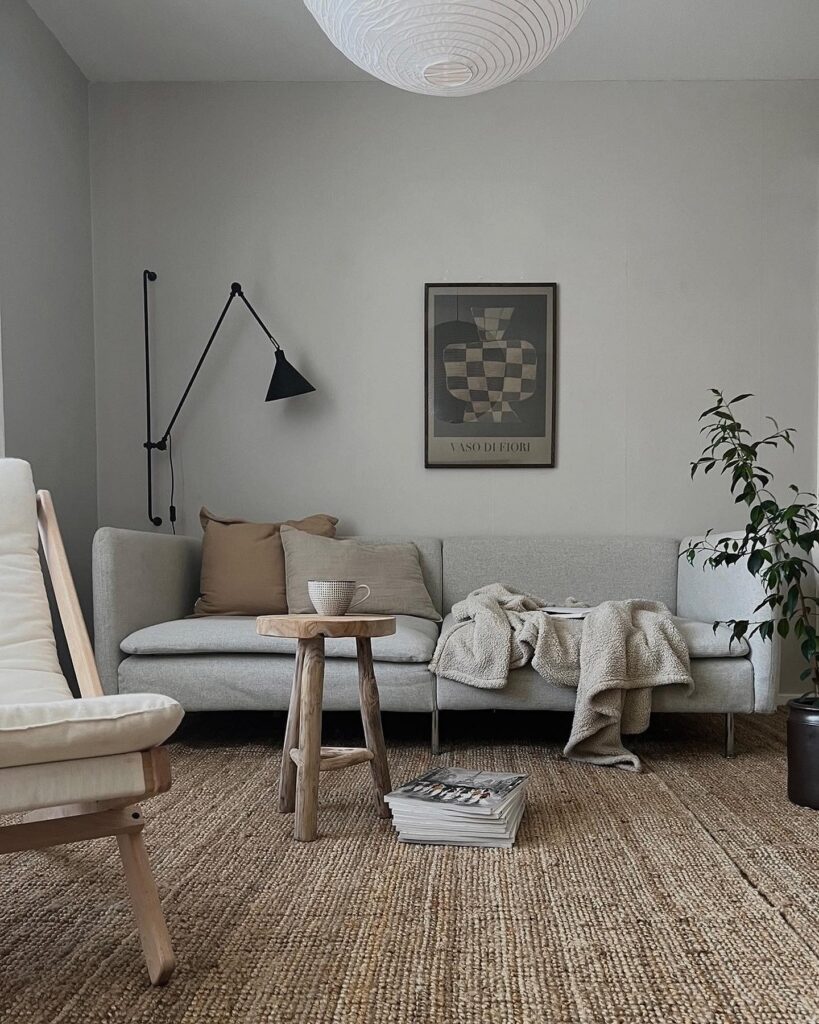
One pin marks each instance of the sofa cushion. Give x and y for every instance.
(243, 564)
(68, 730)
(429, 554)
(392, 572)
(413, 641)
(720, 684)
(258, 682)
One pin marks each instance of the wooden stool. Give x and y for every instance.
(303, 756)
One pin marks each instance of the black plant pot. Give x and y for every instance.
(803, 752)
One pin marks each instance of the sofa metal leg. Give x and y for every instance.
(436, 734)
(729, 734)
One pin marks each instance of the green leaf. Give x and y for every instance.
(755, 562)
(782, 627)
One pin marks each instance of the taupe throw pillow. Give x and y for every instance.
(243, 564)
(391, 571)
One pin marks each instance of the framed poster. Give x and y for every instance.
(490, 375)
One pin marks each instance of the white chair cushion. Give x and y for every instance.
(28, 686)
(68, 730)
(32, 786)
(29, 669)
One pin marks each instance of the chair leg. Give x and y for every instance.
(153, 932)
(436, 732)
(729, 734)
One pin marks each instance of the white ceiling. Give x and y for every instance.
(278, 40)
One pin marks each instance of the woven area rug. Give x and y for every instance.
(685, 894)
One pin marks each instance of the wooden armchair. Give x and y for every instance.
(75, 767)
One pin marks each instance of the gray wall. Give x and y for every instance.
(46, 304)
(679, 219)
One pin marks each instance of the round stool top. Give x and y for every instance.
(303, 627)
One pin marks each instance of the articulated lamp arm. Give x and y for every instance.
(286, 381)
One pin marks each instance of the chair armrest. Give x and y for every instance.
(139, 579)
(730, 592)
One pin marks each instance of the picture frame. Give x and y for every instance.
(490, 385)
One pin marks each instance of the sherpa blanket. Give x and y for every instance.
(615, 657)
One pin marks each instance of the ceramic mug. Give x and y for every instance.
(335, 597)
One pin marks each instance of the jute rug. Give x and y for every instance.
(683, 895)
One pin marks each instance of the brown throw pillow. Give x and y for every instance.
(243, 564)
(391, 571)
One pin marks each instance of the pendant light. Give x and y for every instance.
(447, 49)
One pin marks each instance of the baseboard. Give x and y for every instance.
(785, 697)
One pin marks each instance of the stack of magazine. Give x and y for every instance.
(457, 807)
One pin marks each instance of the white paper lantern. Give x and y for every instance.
(447, 49)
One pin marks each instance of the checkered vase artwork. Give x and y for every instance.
(495, 373)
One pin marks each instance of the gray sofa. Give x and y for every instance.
(145, 586)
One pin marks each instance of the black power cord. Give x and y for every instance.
(172, 507)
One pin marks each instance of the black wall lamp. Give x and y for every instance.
(286, 382)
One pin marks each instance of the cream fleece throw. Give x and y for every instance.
(614, 657)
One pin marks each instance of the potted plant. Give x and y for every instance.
(776, 546)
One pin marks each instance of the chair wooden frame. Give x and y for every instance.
(121, 819)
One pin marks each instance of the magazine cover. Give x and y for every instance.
(459, 787)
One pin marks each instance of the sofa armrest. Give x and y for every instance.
(730, 592)
(139, 579)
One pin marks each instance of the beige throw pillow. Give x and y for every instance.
(391, 571)
(243, 564)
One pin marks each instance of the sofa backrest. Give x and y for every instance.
(429, 550)
(140, 579)
(590, 569)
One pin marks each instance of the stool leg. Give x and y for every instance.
(371, 720)
(307, 776)
(287, 778)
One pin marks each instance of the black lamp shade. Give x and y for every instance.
(286, 382)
